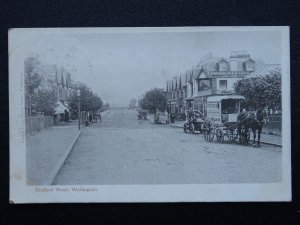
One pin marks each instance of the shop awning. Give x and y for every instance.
(60, 108)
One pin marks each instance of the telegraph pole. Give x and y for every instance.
(78, 95)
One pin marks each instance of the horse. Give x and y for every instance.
(255, 121)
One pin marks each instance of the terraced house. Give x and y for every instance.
(211, 76)
(53, 78)
(56, 78)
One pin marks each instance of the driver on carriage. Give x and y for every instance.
(193, 114)
(189, 114)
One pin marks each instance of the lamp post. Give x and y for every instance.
(78, 95)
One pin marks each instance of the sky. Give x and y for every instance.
(120, 66)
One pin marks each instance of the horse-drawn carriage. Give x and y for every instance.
(142, 114)
(221, 121)
(97, 117)
(225, 119)
(194, 121)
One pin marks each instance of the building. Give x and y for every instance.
(211, 76)
(54, 78)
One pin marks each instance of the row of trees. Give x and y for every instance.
(40, 99)
(153, 100)
(89, 101)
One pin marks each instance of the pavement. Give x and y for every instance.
(265, 138)
(47, 150)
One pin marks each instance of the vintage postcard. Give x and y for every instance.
(181, 114)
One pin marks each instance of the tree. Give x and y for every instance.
(96, 103)
(32, 82)
(45, 102)
(153, 100)
(89, 101)
(132, 103)
(261, 91)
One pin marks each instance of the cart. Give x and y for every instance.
(221, 121)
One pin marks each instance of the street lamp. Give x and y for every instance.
(78, 95)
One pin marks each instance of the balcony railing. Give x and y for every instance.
(229, 73)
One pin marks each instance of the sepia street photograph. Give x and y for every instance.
(151, 107)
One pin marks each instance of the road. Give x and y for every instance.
(124, 150)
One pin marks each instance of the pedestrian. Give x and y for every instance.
(100, 117)
(90, 118)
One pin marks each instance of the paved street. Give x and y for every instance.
(124, 150)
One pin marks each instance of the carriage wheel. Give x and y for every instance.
(208, 131)
(185, 129)
(220, 135)
(192, 128)
(201, 128)
(232, 135)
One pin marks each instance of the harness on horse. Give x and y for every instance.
(260, 122)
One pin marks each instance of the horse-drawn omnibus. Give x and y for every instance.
(226, 119)
(222, 112)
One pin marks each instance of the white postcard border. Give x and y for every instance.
(21, 193)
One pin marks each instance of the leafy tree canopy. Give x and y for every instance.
(89, 101)
(261, 91)
(132, 103)
(45, 101)
(153, 100)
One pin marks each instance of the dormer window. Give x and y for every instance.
(223, 65)
(249, 65)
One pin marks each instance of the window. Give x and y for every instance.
(203, 85)
(223, 66)
(223, 85)
(249, 65)
(230, 106)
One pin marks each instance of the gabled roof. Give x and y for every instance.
(179, 83)
(196, 72)
(249, 60)
(175, 83)
(170, 85)
(186, 78)
(167, 86)
(183, 79)
(189, 75)
(60, 76)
